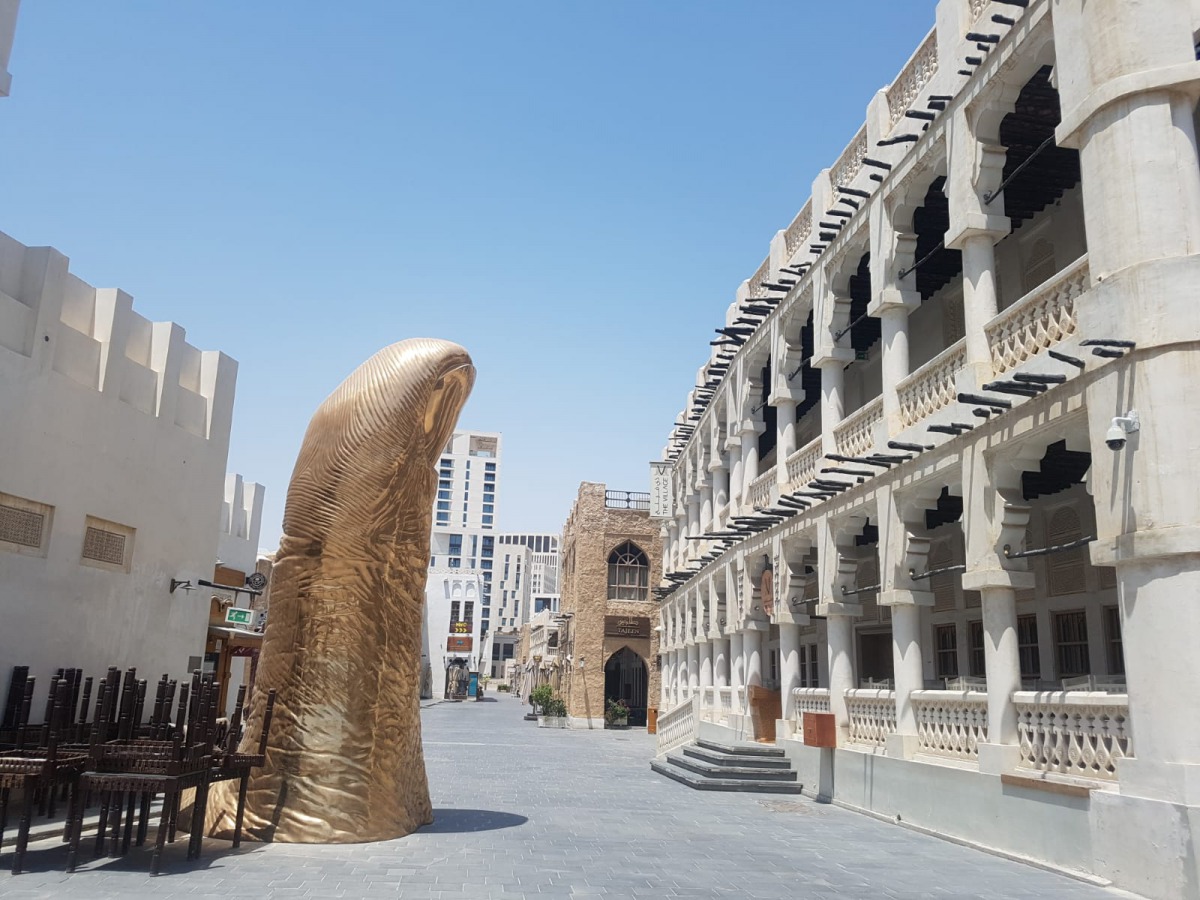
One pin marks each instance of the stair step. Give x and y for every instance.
(739, 772)
(741, 749)
(700, 783)
(727, 759)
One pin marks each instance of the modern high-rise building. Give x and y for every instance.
(526, 584)
(461, 554)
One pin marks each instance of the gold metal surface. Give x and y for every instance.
(343, 641)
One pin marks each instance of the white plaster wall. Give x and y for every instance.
(72, 442)
(444, 587)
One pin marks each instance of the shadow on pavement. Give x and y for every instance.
(458, 821)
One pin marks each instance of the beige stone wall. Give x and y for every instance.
(589, 536)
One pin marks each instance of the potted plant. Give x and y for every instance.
(539, 697)
(616, 714)
(554, 714)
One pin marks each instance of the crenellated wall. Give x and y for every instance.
(112, 475)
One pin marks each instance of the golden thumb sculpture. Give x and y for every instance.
(343, 641)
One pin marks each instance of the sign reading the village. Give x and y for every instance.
(660, 491)
(627, 626)
(456, 644)
(235, 616)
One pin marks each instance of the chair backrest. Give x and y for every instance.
(23, 711)
(266, 726)
(16, 691)
(233, 734)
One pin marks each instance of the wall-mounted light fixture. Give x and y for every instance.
(182, 583)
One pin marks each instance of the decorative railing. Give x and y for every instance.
(915, 75)
(1073, 733)
(1039, 320)
(872, 716)
(724, 699)
(756, 280)
(855, 434)
(797, 233)
(762, 488)
(809, 700)
(951, 723)
(931, 387)
(677, 726)
(977, 8)
(802, 465)
(626, 500)
(849, 164)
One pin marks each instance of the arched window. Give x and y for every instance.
(628, 573)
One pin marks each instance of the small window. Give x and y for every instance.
(1112, 637)
(1027, 647)
(489, 467)
(978, 667)
(1071, 643)
(443, 505)
(489, 508)
(443, 518)
(444, 485)
(443, 495)
(487, 520)
(455, 562)
(24, 525)
(946, 639)
(107, 545)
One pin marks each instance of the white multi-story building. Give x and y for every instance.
(462, 543)
(938, 481)
(527, 582)
(113, 450)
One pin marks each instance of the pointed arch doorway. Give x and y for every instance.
(625, 678)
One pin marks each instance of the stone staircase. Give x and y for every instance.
(710, 766)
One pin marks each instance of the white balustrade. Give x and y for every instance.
(1073, 733)
(1039, 320)
(921, 67)
(951, 723)
(849, 164)
(932, 386)
(802, 465)
(855, 434)
(872, 716)
(809, 700)
(677, 726)
(762, 490)
(797, 233)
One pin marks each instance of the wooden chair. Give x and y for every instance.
(229, 763)
(39, 771)
(128, 768)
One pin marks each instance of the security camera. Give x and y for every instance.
(1121, 426)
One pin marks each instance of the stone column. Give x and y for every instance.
(752, 648)
(734, 445)
(751, 428)
(693, 668)
(832, 401)
(720, 662)
(705, 487)
(789, 666)
(720, 490)
(980, 303)
(668, 673)
(691, 549)
(994, 516)
(836, 570)
(785, 430)
(737, 671)
(670, 547)
(705, 664)
(894, 325)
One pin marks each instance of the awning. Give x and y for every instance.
(236, 636)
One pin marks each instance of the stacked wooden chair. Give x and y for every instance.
(229, 763)
(130, 764)
(41, 762)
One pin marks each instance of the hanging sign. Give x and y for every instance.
(661, 501)
(766, 590)
(627, 626)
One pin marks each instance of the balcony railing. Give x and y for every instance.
(951, 723)
(1039, 320)
(855, 434)
(872, 716)
(932, 386)
(1073, 733)
(849, 164)
(809, 700)
(916, 74)
(802, 465)
(797, 233)
(762, 490)
(626, 500)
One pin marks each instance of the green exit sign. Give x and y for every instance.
(235, 616)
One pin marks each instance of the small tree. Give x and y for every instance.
(540, 696)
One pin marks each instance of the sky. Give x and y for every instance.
(572, 191)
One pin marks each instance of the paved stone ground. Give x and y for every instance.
(526, 812)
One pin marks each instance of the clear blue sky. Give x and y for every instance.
(572, 191)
